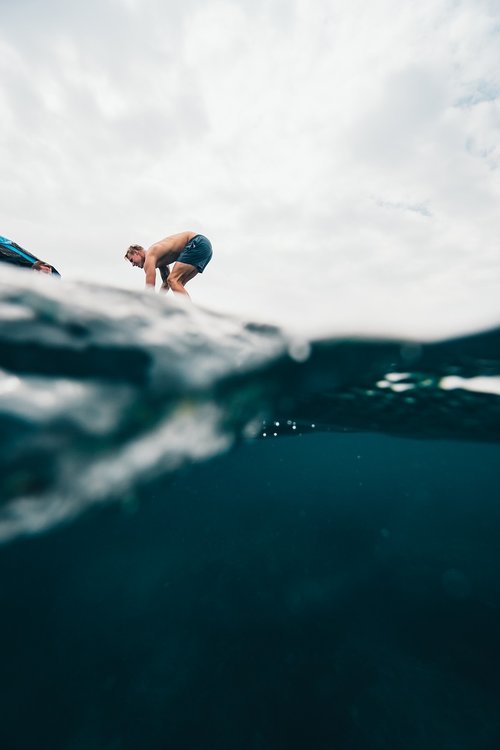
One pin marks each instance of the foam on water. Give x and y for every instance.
(103, 389)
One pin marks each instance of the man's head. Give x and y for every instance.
(41, 267)
(136, 255)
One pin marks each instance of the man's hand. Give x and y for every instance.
(164, 271)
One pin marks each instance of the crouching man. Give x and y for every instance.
(189, 252)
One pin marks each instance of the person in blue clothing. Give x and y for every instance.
(189, 252)
(14, 254)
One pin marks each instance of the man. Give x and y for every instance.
(189, 252)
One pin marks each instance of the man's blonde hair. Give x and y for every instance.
(133, 247)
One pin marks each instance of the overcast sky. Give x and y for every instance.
(342, 155)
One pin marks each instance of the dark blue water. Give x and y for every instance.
(170, 578)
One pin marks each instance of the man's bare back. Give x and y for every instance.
(168, 250)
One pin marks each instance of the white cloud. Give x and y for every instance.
(335, 152)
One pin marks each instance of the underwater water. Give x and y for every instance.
(216, 535)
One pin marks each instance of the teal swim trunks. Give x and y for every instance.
(198, 253)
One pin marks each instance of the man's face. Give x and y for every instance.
(136, 258)
(45, 269)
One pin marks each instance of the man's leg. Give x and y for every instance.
(179, 276)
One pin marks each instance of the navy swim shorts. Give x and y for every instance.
(198, 253)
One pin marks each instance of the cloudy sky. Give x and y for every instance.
(342, 155)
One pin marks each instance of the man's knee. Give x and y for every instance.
(174, 282)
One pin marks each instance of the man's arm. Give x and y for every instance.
(150, 271)
(164, 271)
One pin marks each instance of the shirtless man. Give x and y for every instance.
(189, 252)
